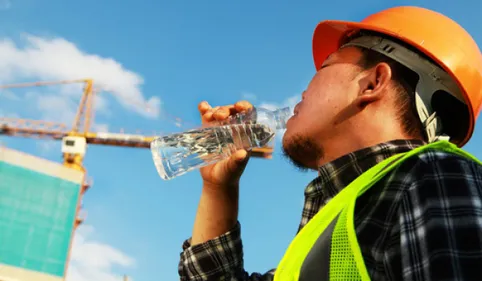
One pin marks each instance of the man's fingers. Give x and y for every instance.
(219, 113)
(207, 117)
(224, 112)
(207, 112)
(203, 107)
(242, 106)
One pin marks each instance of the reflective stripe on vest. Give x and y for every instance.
(327, 248)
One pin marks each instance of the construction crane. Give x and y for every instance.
(75, 139)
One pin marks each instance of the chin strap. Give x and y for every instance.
(432, 124)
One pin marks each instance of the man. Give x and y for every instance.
(394, 200)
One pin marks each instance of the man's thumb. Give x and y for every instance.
(237, 162)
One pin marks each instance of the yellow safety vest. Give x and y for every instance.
(344, 260)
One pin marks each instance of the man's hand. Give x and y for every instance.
(218, 207)
(225, 173)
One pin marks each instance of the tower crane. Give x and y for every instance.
(76, 139)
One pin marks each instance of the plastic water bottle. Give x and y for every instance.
(179, 153)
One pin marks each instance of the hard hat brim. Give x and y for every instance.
(329, 35)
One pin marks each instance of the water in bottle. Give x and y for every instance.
(179, 153)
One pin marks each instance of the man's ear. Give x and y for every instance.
(373, 84)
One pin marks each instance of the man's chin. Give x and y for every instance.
(298, 164)
(301, 151)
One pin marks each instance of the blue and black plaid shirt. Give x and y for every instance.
(422, 221)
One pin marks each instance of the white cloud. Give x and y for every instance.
(56, 107)
(53, 59)
(291, 102)
(94, 261)
(101, 128)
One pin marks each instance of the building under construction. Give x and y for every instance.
(40, 200)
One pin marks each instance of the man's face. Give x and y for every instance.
(332, 89)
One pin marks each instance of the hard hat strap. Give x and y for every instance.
(432, 79)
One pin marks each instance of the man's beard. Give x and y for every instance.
(302, 152)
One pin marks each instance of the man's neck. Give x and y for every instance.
(338, 147)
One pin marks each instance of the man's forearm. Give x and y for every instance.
(217, 213)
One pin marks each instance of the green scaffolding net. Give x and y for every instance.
(37, 213)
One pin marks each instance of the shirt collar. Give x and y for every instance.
(337, 174)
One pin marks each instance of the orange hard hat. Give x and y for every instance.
(434, 35)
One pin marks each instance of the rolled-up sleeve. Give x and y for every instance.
(220, 258)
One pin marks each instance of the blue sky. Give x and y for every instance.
(172, 54)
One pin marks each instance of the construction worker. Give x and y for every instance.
(394, 98)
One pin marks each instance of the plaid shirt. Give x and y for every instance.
(422, 221)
